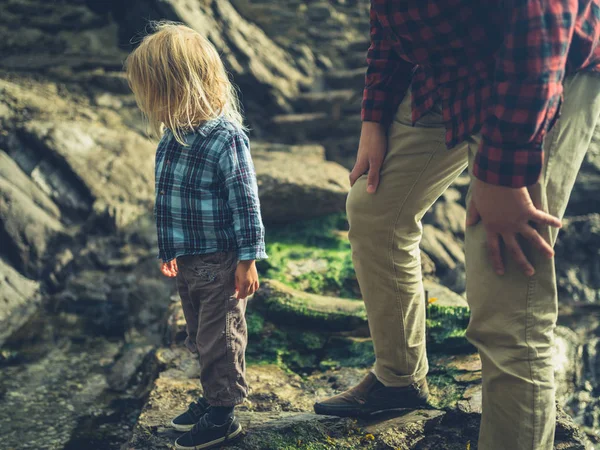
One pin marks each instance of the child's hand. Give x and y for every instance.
(169, 269)
(246, 279)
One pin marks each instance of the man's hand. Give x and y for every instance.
(371, 152)
(246, 279)
(505, 213)
(169, 269)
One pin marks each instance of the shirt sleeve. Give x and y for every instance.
(239, 176)
(526, 91)
(387, 79)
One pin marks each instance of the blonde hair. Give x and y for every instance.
(179, 80)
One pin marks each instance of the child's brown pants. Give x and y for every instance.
(216, 325)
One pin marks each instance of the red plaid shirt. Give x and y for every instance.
(496, 66)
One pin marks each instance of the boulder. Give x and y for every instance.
(567, 359)
(19, 300)
(116, 167)
(298, 183)
(29, 220)
(284, 305)
(443, 248)
(258, 64)
(578, 259)
(448, 215)
(276, 414)
(583, 198)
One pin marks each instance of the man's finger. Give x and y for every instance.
(358, 170)
(543, 218)
(517, 254)
(494, 253)
(472, 214)
(373, 177)
(537, 241)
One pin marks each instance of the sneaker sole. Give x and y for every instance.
(212, 444)
(182, 428)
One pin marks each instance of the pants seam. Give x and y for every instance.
(528, 327)
(399, 305)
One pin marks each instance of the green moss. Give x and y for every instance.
(293, 308)
(291, 349)
(255, 323)
(348, 352)
(445, 392)
(312, 435)
(313, 256)
(446, 328)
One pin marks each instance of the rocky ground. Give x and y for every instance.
(90, 353)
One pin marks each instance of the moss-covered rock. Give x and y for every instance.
(447, 319)
(287, 306)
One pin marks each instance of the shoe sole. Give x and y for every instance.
(324, 410)
(212, 444)
(182, 428)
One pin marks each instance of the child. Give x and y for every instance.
(210, 231)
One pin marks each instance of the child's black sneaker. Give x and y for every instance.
(186, 420)
(205, 435)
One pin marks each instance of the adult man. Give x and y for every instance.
(488, 79)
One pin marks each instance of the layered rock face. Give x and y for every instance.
(90, 334)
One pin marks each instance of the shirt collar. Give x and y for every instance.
(208, 126)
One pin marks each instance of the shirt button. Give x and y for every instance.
(162, 192)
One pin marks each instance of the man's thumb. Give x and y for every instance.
(472, 214)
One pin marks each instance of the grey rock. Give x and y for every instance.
(347, 79)
(584, 198)
(298, 184)
(448, 215)
(578, 259)
(567, 359)
(302, 127)
(114, 166)
(19, 299)
(258, 64)
(443, 248)
(26, 228)
(127, 366)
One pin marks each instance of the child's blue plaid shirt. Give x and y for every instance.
(206, 194)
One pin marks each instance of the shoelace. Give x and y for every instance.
(201, 425)
(196, 409)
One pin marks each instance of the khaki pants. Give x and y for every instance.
(216, 324)
(512, 317)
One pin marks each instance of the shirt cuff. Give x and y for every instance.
(377, 106)
(250, 253)
(507, 167)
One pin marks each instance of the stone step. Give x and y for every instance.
(311, 127)
(359, 45)
(346, 79)
(357, 60)
(334, 102)
(301, 127)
